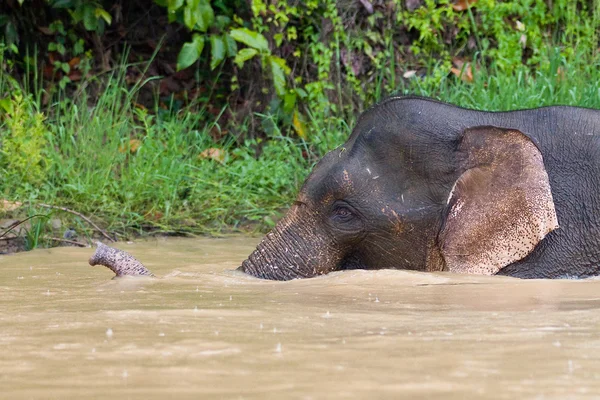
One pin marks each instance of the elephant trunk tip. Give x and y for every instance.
(118, 261)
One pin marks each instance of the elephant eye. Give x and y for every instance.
(342, 213)
(345, 219)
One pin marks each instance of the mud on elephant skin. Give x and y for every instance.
(429, 186)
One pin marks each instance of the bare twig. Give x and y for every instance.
(89, 221)
(70, 242)
(15, 224)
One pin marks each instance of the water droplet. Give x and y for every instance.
(109, 332)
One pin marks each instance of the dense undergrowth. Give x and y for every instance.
(235, 157)
(133, 169)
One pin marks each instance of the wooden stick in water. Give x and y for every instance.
(118, 261)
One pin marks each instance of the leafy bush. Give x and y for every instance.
(23, 143)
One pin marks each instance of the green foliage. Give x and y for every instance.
(23, 143)
(199, 18)
(34, 233)
(277, 84)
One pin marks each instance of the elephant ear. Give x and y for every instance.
(500, 207)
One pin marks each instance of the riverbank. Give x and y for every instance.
(136, 172)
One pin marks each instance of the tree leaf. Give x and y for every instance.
(282, 64)
(90, 22)
(231, 46)
(206, 14)
(190, 17)
(190, 52)
(244, 55)
(174, 5)
(298, 124)
(6, 105)
(102, 13)
(217, 50)
(251, 39)
(198, 15)
(289, 102)
(278, 77)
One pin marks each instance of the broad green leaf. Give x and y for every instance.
(251, 39)
(6, 105)
(65, 68)
(101, 13)
(190, 16)
(222, 22)
(174, 5)
(198, 15)
(61, 49)
(162, 3)
(289, 102)
(207, 15)
(90, 22)
(231, 46)
(217, 50)
(301, 92)
(278, 77)
(281, 62)
(190, 52)
(244, 55)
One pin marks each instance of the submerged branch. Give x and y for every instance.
(80, 215)
(73, 242)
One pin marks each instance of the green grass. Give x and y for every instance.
(166, 184)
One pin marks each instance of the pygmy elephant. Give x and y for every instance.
(428, 186)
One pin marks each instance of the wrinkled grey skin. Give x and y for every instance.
(118, 261)
(380, 200)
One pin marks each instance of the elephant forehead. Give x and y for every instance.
(335, 182)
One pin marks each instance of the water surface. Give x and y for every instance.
(205, 331)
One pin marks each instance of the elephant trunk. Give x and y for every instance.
(294, 249)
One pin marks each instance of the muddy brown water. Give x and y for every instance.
(205, 331)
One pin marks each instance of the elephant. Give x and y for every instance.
(428, 186)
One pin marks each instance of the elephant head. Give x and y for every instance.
(403, 194)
